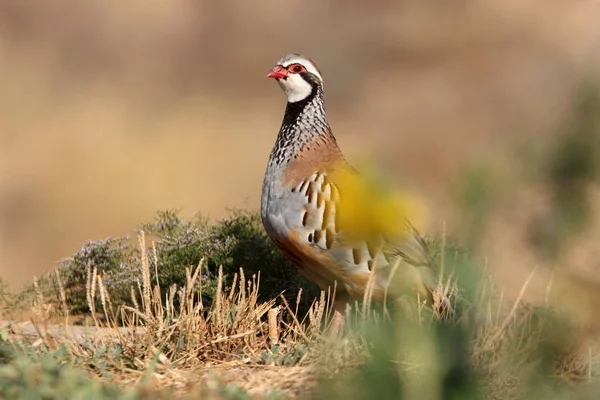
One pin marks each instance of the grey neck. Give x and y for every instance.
(303, 122)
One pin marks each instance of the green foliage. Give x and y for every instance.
(6, 298)
(49, 377)
(290, 357)
(474, 196)
(568, 167)
(38, 374)
(235, 242)
(408, 361)
(11, 302)
(461, 359)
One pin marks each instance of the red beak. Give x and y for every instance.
(277, 72)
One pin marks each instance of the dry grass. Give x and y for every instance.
(171, 332)
(170, 339)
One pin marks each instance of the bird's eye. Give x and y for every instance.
(297, 68)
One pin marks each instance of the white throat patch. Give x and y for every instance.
(295, 88)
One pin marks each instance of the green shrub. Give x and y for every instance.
(238, 241)
(235, 242)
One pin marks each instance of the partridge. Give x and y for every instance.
(322, 216)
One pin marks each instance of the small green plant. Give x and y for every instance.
(49, 376)
(277, 356)
(11, 302)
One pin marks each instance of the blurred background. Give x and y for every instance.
(111, 110)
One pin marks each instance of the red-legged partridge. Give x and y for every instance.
(314, 205)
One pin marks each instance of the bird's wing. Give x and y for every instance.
(343, 223)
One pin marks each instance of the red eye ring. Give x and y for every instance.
(296, 68)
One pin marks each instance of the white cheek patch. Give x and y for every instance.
(295, 88)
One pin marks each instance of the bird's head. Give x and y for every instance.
(297, 75)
